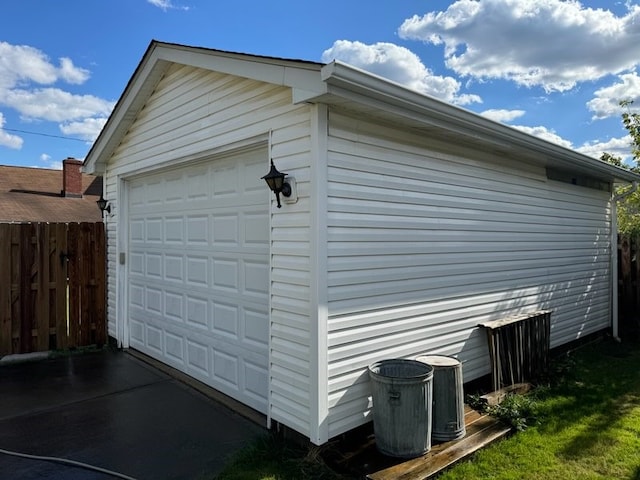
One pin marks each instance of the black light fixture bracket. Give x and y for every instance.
(103, 205)
(277, 184)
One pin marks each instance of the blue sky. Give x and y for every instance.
(553, 68)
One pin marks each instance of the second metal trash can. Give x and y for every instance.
(447, 414)
(402, 394)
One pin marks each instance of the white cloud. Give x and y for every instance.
(502, 115)
(54, 104)
(87, 129)
(166, 5)
(7, 139)
(22, 63)
(606, 102)
(49, 163)
(399, 65)
(27, 77)
(619, 147)
(546, 134)
(549, 43)
(72, 74)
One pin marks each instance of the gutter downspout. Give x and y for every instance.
(614, 258)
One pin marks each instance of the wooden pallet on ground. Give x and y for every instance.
(481, 430)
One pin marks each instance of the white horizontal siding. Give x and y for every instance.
(194, 114)
(111, 232)
(423, 244)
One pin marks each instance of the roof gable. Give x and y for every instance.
(157, 60)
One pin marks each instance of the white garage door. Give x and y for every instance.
(198, 272)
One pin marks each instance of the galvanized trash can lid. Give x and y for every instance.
(439, 360)
(401, 369)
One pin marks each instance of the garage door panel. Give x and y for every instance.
(226, 230)
(174, 230)
(198, 312)
(174, 268)
(226, 319)
(199, 272)
(174, 306)
(226, 274)
(136, 333)
(197, 230)
(256, 327)
(256, 278)
(254, 226)
(256, 376)
(174, 347)
(153, 230)
(198, 357)
(153, 336)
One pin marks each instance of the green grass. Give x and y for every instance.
(271, 458)
(586, 426)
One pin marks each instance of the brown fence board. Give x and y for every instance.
(42, 305)
(27, 254)
(54, 294)
(5, 289)
(15, 288)
(99, 297)
(74, 290)
(58, 257)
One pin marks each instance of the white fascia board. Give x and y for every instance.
(287, 73)
(347, 81)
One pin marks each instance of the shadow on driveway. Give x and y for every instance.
(114, 411)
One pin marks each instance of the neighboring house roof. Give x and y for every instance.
(36, 195)
(340, 84)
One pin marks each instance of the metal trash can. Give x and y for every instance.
(402, 396)
(448, 397)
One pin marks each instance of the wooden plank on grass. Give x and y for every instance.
(483, 431)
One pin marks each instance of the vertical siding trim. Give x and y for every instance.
(319, 392)
(613, 280)
(270, 406)
(122, 247)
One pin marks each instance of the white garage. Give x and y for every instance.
(198, 272)
(409, 222)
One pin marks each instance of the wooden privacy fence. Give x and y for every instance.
(52, 286)
(628, 277)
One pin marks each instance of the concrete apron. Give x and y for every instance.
(114, 411)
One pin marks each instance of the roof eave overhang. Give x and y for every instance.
(346, 83)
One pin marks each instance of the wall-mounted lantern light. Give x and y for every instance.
(277, 184)
(103, 205)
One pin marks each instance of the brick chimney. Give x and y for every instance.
(71, 178)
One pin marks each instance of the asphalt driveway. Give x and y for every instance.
(114, 411)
